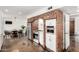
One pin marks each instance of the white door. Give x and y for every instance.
(41, 31)
(51, 37)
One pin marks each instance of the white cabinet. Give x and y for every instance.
(41, 31)
(51, 37)
(41, 37)
(40, 24)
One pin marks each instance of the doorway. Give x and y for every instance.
(72, 34)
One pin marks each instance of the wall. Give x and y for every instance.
(77, 29)
(35, 25)
(1, 29)
(16, 23)
(54, 14)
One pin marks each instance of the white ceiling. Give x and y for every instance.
(20, 10)
(71, 10)
(26, 10)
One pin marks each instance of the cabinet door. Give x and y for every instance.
(41, 31)
(52, 40)
(48, 40)
(51, 37)
(40, 24)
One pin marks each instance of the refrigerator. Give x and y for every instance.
(51, 34)
(41, 31)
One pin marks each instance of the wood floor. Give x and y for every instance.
(74, 46)
(21, 45)
(25, 45)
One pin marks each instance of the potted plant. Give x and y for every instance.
(23, 27)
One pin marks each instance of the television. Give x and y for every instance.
(8, 22)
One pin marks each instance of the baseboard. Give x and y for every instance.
(42, 46)
(66, 49)
(45, 48)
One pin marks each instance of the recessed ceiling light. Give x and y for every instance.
(6, 10)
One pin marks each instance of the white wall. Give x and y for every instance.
(1, 29)
(16, 23)
(77, 29)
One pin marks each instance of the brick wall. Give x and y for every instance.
(58, 15)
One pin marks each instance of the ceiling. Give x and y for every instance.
(26, 10)
(20, 10)
(71, 10)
